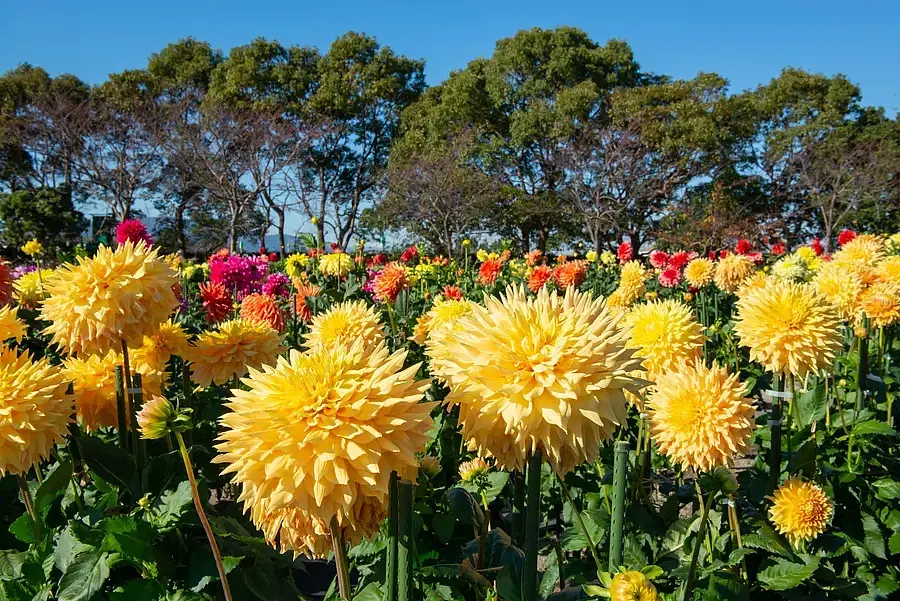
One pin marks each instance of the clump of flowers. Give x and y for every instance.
(156, 350)
(239, 275)
(666, 335)
(32, 248)
(121, 294)
(295, 264)
(551, 356)
(800, 511)
(631, 285)
(276, 284)
(788, 328)
(700, 416)
(231, 350)
(217, 301)
(336, 264)
(321, 432)
(345, 323)
(34, 410)
(731, 271)
(390, 282)
(262, 308)
(303, 291)
(570, 273)
(134, 231)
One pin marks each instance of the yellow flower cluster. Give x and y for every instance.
(10, 325)
(295, 264)
(30, 290)
(336, 264)
(699, 272)
(631, 285)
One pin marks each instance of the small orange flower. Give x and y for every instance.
(452, 292)
(571, 273)
(262, 308)
(391, 281)
(6, 283)
(488, 272)
(304, 290)
(540, 275)
(533, 257)
(216, 300)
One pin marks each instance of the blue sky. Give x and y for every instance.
(746, 42)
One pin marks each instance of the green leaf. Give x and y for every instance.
(873, 427)
(11, 564)
(784, 575)
(726, 587)
(109, 461)
(464, 507)
(371, 592)
(202, 569)
(597, 524)
(67, 547)
(874, 540)
(810, 406)
(55, 482)
(894, 543)
(84, 576)
(138, 590)
(887, 489)
(509, 580)
(23, 528)
(129, 537)
(168, 509)
(443, 525)
(768, 540)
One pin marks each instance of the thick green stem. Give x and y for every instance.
(405, 543)
(736, 532)
(695, 556)
(863, 366)
(201, 513)
(391, 562)
(617, 523)
(775, 450)
(340, 559)
(121, 408)
(532, 527)
(29, 507)
(137, 402)
(518, 509)
(580, 522)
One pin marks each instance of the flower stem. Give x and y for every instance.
(391, 562)
(532, 527)
(695, 556)
(121, 407)
(518, 508)
(198, 505)
(736, 531)
(617, 523)
(863, 366)
(340, 559)
(580, 521)
(405, 541)
(29, 507)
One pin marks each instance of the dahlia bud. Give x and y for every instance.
(429, 466)
(158, 417)
(473, 470)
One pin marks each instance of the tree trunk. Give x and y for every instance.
(179, 229)
(525, 232)
(232, 231)
(282, 244)
(543, 237)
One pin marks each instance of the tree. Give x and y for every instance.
(46, 214)
(523, 103)
(628, 166)
(435, 195)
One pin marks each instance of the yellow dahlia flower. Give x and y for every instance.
(93, 381)
(862, 255)
(344, 323)
(443, 315)
(889, 270)
(544, 372)
(788, 328)
(32, 248)
(665, 334)
(34, 410)
(731, 271)
(800, 510)
(700, 416)
(336, 264)
(10, 325)
(792, 268)
(231, 349)
(633, 274)
(154, 417)
(760, 279)
(322, 431)
(119, 294)
(469, 471)
(29, 289)
(881, 303)
(632, 586)
(699, 272)
(295, 264)
(157, 349)
(841, 286)
(430, 466)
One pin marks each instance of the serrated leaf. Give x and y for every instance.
(887, 488)
(784, 575)
(84, 576)
(11, 564)
(171, 505)
(127, 536)
(202, 569)
(55, 482)
(67, 547)
(874, 540)
(873, 427)
(109, 461)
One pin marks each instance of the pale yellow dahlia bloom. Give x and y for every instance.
(29, 289)
(231, 349)
(760, 279)
(840, 285)
(545, 372)
(789, 328)
(470, 470)
(881, 304)
(443, 315)
(321, 431)
(345, 323)
(800, 510)
(170, 339)
(862, 255)
(632, 586)
(336, 264)
(10, 324)
(700, 416)
(631, 286)
(732, 271)
(119, 294)
(93, 379)
(154, 418)
(889, 270)
(699, 272)
(792, 268)
(35, 410)
(666, 335)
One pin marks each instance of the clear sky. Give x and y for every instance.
(746, 42)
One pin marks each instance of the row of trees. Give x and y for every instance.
(554, 138)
